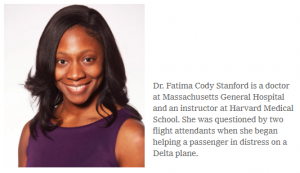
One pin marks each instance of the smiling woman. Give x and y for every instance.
(83, 119)
(79, 65)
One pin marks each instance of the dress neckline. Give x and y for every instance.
(86, 124)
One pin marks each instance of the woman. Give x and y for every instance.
(83, 118)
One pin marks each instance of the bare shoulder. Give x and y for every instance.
(130, 144)
(132, 128)
(23, 145)
(25, 132)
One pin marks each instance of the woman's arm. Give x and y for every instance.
(130, 145)
(23, 145)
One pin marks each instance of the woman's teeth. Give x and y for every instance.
(77, 88)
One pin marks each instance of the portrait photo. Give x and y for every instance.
(74, 85)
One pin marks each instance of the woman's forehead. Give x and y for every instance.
(76, 40)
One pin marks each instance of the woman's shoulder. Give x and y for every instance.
(130, 144)
(23, 144)
(26, 131)
(131, 127)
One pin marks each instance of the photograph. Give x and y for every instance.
(78, 75)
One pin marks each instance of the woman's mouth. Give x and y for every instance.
(78, 89)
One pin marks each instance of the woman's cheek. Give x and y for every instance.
(94, 72)
(59, 73)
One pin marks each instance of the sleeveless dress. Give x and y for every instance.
(91, 145)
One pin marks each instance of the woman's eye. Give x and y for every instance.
(61, 61)
(88, 59)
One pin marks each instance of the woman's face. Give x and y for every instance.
(79, 65)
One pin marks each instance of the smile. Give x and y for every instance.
(77, 89)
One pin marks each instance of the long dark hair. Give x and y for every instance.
(42, 83)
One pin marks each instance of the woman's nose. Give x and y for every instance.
(75, 72)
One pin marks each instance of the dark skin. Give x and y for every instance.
(78, 74)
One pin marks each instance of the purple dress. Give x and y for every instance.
(91, 145)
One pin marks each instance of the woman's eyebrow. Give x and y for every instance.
(64, 53)
(84, 51)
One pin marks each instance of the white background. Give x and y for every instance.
(202, 41)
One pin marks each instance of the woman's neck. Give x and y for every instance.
(70, 112)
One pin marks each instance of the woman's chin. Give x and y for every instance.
(78, 101)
